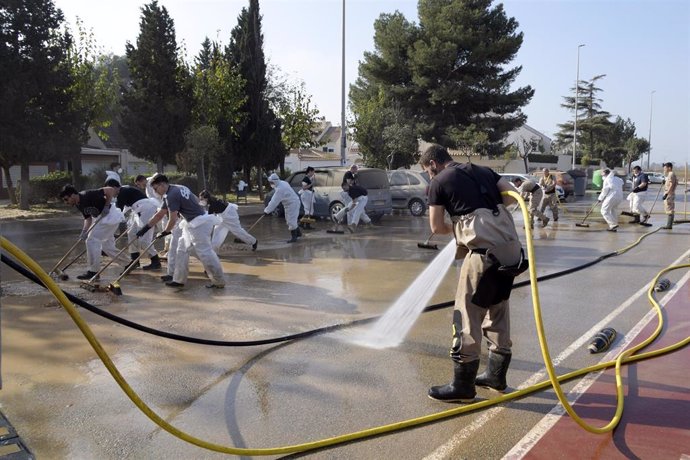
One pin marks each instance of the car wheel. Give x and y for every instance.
(416, 207)
(334, 209)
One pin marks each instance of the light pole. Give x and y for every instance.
(343, 132)
(649, 138)
(577, 92)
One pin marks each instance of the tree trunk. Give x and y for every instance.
(159, 164)
(10, 187)
(76, 168)
(260, 175)
(24, 186)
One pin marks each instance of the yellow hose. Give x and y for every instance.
(553, 378)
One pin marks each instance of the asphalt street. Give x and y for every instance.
(64, 404)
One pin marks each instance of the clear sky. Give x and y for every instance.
(641, 46)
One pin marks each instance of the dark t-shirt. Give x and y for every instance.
(216, 206)
(355, 191)
(349, 175)
(309, 182)
(180, 199)
(91, 202)
(463, 188)
(128, 196)
(639, 179)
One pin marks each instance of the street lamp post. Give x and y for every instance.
(649, 138)
(343, 132)
(577, 91)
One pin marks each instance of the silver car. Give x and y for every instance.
(409, 190)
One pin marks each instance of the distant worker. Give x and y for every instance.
(230, 221)
(532, 190)
(140, 182)
(358, 201)
(485, 236)
(284, 194)
(97, 203)
(670, 184)
(638, 195)
(114, 172)
(548, 186)
(307, 197)
(610, 197)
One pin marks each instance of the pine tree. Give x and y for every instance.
(157, 105)
(449, 72)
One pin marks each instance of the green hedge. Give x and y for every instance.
(47, 187)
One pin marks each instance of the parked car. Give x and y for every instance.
(655, 177)
(327, 198)
(524, 177)
(563, 179)
(409, 190)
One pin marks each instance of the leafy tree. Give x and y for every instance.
(94, 94)
(200, 142)
(293, 106)
(449, 72)
(34, 113)
(157, 104)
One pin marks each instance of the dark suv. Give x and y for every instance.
(327, 190)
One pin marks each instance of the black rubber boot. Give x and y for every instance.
(86, 276)
(154, 265)
(494, 376)
(293, 234)
(636, 219)
(461, 389)
(298, 232)
(669, 222)
(134, 256)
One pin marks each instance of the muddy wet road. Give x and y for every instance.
(64, 403)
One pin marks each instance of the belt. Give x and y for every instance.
(536, 187)
(480, 251)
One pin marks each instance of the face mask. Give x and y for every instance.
(119, 170)
(272, 185)
(203, 202)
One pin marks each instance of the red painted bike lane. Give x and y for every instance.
(656, 415)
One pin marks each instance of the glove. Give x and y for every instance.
(665, 196)
(142, 231)
(598, 201)
(636, 189)
(106, 210)
(83, 235)
(162, 235)
(267, 213)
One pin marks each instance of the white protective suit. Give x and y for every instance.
(196, 238)
(142, 211)
(101, 238)
(286, 195)
(229, 221)
(611, 196)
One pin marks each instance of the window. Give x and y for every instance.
(296, 181)
(413, 179)
(373, 179)
(398, 178)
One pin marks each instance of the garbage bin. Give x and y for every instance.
(580, 185)
(597, 180)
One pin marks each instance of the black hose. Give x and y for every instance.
(250, 343)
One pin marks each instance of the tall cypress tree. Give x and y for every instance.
(157, 104)
(253, 145)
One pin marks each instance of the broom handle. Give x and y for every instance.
(111, 261)
(131, 265)
(75, 245)
(589, 212)
(257, 221)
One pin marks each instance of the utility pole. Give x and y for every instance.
(577, 92)
(649, 138)
(343, 128)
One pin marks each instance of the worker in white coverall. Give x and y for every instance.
(196, 232)
(638, 195)
(355, 210)
(610, 197)
(307, 196)
(227, 220)
(284, 194)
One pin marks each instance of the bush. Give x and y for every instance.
(191, 182)
(47, 187)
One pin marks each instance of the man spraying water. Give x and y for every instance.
(487, 240)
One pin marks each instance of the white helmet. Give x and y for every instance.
(273, 178)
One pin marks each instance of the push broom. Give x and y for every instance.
(582, 224)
